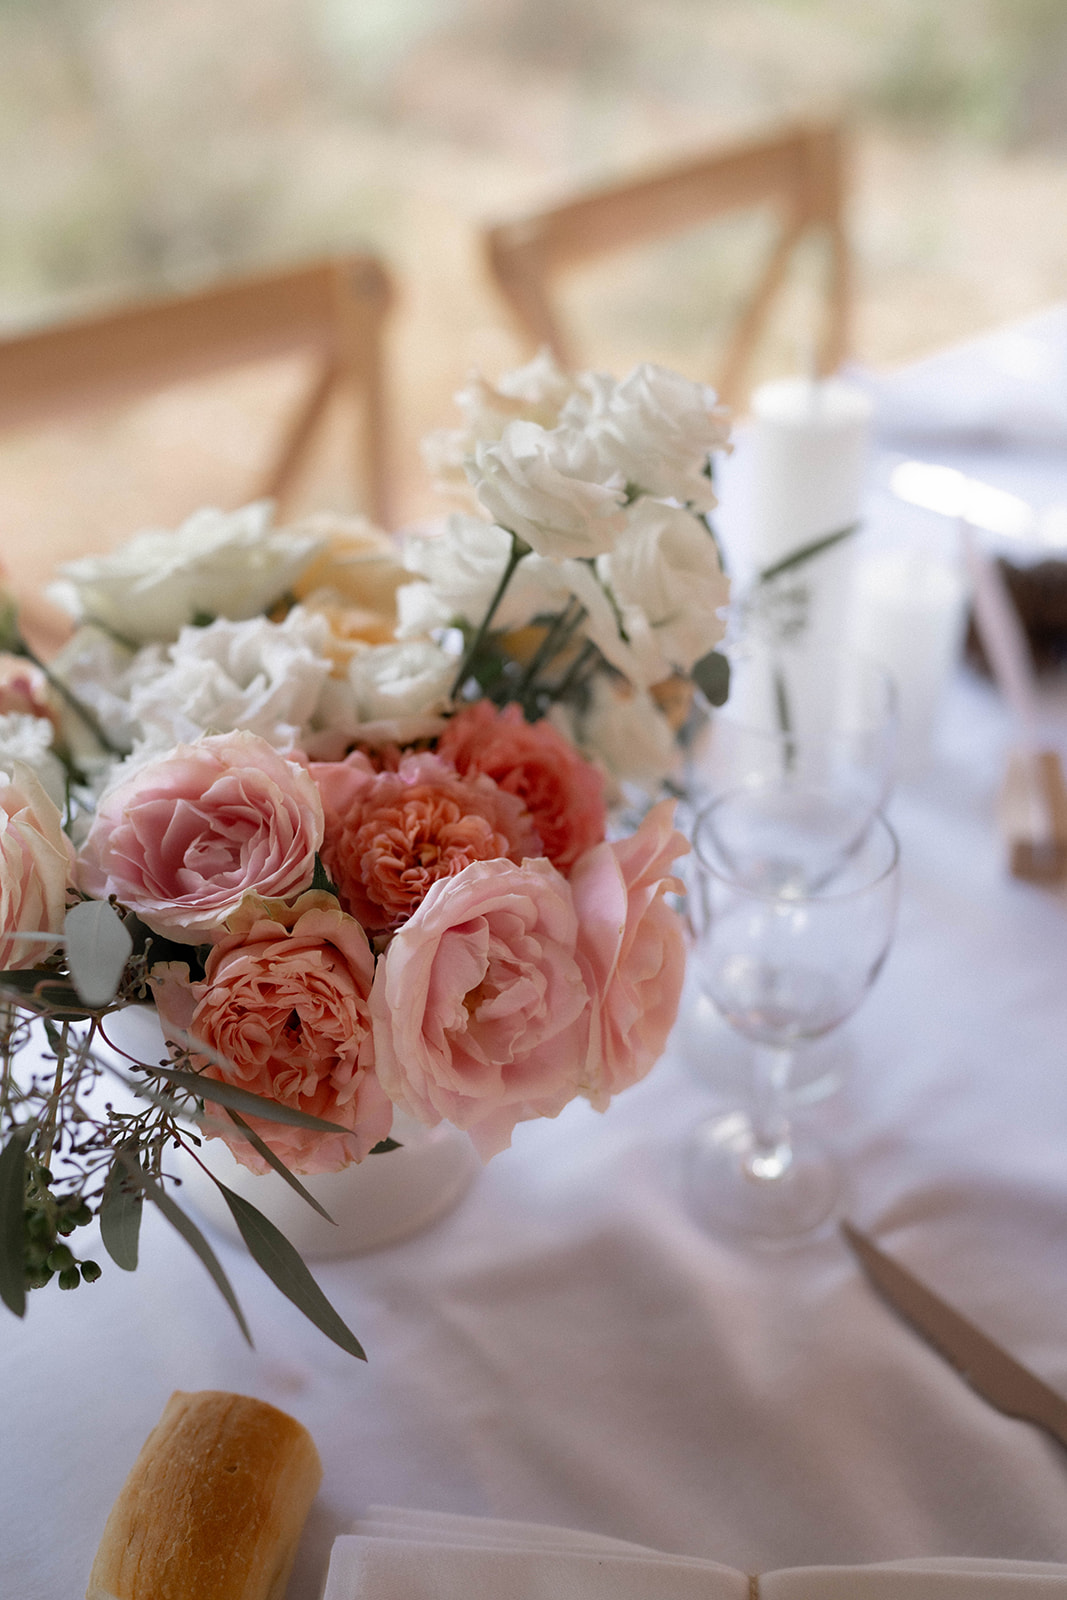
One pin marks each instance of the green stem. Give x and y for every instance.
(47, 1135)
(81, 711)
(807, 552)
(518, 550)
(588, 654)
(559, 634)
(785, 719)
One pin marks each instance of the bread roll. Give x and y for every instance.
(213, 1506)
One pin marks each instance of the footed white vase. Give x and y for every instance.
(379, 1201)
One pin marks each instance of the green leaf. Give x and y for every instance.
(284, 1267)
(711, 674)
(385, 1144)
(120, 1209)
(12, 1223)
(191, 1234)
(235, 1099)
(44, 988)
(807, 552)
(98, 948)
(322, 879)
(263, 1149)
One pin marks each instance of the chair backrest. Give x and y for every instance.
(797, 170)
(333, 310)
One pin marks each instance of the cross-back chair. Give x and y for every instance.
(797, 170)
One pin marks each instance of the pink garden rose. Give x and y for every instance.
(479, 1005)
(632, 946)
(185, 837)
(284, 1000)
(563, 793)
(390, 835)
(36, 865)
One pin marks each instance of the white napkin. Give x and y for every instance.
(413, 1555)
(1008, 386)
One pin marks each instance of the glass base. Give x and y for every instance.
(736, 1190)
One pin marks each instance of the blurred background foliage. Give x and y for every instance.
(152, 144)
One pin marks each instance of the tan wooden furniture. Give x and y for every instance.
(333, 310)
(798, 171)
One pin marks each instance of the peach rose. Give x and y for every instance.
(182, 839)
(479, 1006)
(632, 946)
(390, 835)
(284, 1000)
(563, 793)
(36, 865)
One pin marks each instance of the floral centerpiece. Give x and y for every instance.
(341, 811)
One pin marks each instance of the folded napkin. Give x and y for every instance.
(423, 1555)
(1008, 386)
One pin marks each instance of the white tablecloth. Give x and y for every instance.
(568, 1348)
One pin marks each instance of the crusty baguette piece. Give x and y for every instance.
(213, 1506)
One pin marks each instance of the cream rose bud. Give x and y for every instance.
(665, 575)
(655, 427)
(182, 838)
(36, 865)
(463, 566)
(219, 564)
(550, 487)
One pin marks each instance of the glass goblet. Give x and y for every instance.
(795, 919)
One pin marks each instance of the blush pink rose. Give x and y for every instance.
(632, 946)
(184, 838)
(390, 835)
(36, 866)
(480, 1008)
(563, 793)
(284, 1001)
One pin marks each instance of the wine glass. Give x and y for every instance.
(795, 917)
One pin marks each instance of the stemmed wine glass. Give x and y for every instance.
(795, 917)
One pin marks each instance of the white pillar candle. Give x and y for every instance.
(810, 442)
(908, 612)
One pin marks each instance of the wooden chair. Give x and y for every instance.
(798, 171)
(333, 310)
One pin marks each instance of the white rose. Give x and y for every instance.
(629, 735)
(102, 674)
(28, 740)
(537, 392)
(640, 659)
(656, 428)
(393, 694)
(264, 677)
(463, 566)
(550, 488)
(219, 564)
(36, 862)
(668, 584)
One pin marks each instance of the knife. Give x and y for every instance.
(990, 1370)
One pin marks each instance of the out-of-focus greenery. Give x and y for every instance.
(144, 145)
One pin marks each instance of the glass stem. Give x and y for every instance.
(772, 1153)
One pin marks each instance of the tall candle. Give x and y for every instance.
(809, 448)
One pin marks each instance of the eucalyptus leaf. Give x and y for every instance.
(44, 988)
(120, 1210)
(322, 879)
(190, 1233)
(12, 1223)
(284, 1267)
(383, 1145)
(711, 674)
(235, 1099)
(98, 948)
(264, 1150)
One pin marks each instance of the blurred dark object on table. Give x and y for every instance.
(1039, 593)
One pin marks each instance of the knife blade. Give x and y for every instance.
(995, 1375)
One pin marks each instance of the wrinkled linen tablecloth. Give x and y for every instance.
(569, 1348)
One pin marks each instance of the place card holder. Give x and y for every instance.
(1033, 813)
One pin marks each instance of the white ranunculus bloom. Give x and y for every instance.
(28, 739)
(629, 735)
(665, 576)
(102, 675)
(537, 392)
(462, 567)
(400, 691)
(656, 428)
(550, 488)
(219, 564)
(261, 676)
